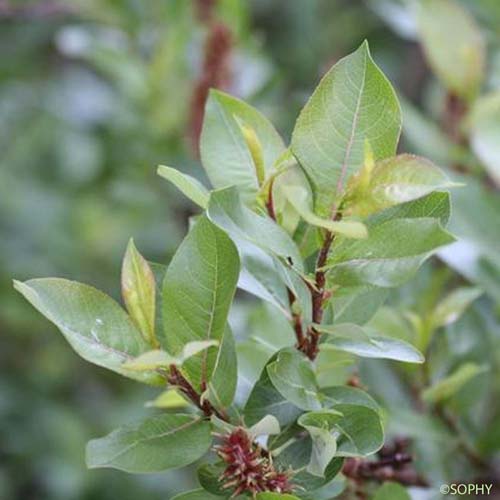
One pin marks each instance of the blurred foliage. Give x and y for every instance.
(94, 94)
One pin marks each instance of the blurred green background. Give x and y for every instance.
(93, 95)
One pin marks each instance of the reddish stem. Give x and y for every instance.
(319, 294)
(270, 201)
(296, 322)
(176, 378)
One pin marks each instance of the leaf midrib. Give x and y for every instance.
(150, 438)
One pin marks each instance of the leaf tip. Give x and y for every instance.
(17, 285)
(364, 47)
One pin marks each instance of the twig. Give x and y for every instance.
(215, 73)
(296, 322)
(176, 378)
(296, 317)
(319, 294)
(393, 464)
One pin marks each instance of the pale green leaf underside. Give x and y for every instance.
(97, 328)
(222, 384)
(292, 375)
(268, 425)
(158, 358)
(297, 197)
(265, 399)
(361, 431)
(260, 276)
(324, 445)
(169, 399)
(353, 339)
(339, 394)
(198, 290)
(267, 250)
(155, 444)
(187, 185)
(223, 149)
(354, 102)
(226, 211)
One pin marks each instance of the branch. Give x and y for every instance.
(393, 464)
(319, 294)
(215, 73)
(296, 317)
(176, 378)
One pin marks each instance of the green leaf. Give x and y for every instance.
(226, 211)
(198, 290)
(196, 495)
(187, 185)
(351, 395)
(298, 198)
(255, 148)
(292, 375)
(159, 271)
(436, 205)
(354, 102)
(157, 358)
(278, 260)
(155, 444)
(269, 425)
(297, 455)
(361, 431)
(151, 360)
(276, 496)
(169, 399)
(333, 367)
(139, 292)
(266, 400)
(97, 328)
(222, 385)
(391, 254)
(260, 276)
(447, 387)
(484, 130)
(357, 304)
(319, 425)
(224, 150)
(391, 491)
(454, 305)
(209, 478)
(453, 44)
(394, 181)
(351, 338)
